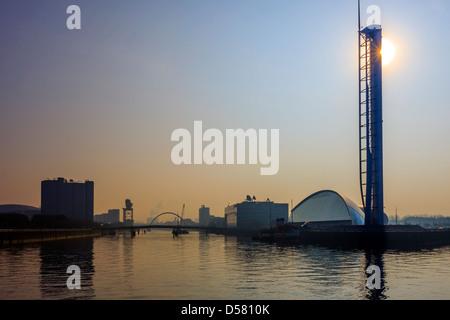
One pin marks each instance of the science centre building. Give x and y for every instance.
(326, 209)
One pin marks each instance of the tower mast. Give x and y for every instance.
(370, 121)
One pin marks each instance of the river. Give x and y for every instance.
(196, 266)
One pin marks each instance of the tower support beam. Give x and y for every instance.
(371, 123)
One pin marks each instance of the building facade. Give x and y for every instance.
(75, 200)
(327, 208)
(255, 215)
(203, 216)
(113, 216)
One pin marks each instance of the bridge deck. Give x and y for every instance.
(159, 226)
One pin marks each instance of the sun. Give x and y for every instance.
(387, 51)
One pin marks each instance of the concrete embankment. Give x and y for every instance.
(16, 236)
(361, 237)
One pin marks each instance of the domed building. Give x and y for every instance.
(327, 208)
(28, 211)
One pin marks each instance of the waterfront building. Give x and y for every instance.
(203, 216)
(254, 215)
(327, 208)
(217, 222)
(75, 200)
(112, 216)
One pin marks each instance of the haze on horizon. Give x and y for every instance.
(101, 103)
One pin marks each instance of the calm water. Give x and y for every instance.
(197, 266)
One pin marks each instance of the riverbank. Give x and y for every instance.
(362, 237)
(18, 236)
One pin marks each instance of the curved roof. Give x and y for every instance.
(10, 208)
(327, 205)
(29, 211)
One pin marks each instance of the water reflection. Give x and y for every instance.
(199, 266)
(286, 271)
(128, 261)
(55, 258)
(317, 271)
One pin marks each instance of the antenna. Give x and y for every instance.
(359, 15)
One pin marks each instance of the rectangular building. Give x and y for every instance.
(203, 216)
(254, 215)
(111, 217)
(75, 200)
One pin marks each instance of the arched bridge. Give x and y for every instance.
(164, 226)
(164, 213)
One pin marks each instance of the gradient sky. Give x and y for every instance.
(101, 103)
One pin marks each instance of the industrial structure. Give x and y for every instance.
(370, 122)
(75, 200)
(128, 212)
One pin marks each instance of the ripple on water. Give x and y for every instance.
(157, 266)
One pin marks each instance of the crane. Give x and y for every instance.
(182, 213)
(178, 230)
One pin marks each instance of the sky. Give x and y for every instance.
(101, 103)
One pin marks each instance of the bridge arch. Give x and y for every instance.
(181, 219)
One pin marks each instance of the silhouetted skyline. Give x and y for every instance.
(101, 103)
